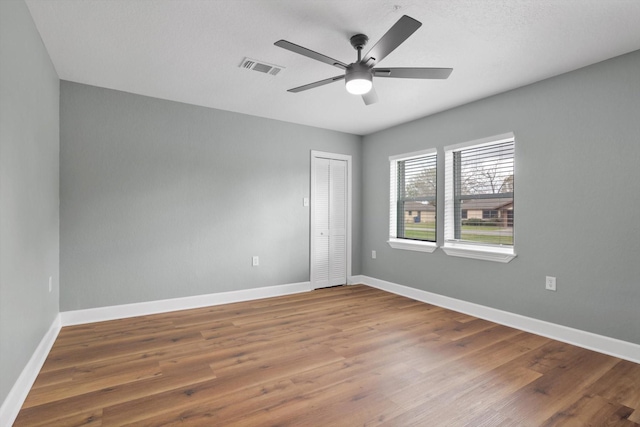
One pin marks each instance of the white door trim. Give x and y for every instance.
(334, 156)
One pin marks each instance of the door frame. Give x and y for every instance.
(312, 222)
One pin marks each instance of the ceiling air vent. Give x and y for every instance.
(260, 66)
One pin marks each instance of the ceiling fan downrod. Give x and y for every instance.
(358, 42)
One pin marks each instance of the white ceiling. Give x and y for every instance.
(190, 50)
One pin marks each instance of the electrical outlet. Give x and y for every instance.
(50, 283)
(255, 261)
(550, 283)
(373, 254)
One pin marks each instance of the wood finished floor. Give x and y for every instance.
(345, 356)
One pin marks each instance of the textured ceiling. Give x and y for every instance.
(190, 50)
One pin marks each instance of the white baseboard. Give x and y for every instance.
(602, 344)
(359, 279)
(100, 314)
(18, 393)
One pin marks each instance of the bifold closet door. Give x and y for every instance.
(329, 203)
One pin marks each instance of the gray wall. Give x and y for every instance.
(577, 201)
(163, 200)
(29, 147)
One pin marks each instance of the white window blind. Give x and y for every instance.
(479, 197)
(412, 205)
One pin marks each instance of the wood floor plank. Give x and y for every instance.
(485, 365)
(556, 389)
(345, 405)
(210, 412)
(491, 418)
(344, 356)
(131, 345)
(620, 385)
(447, 352)
(458, 402)
(90, 418)
(109, 396)
(89, 379)
(234, 377)
(592, 410)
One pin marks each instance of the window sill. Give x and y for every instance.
(485, 253)
(412, 245)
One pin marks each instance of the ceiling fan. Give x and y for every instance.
(359, 75)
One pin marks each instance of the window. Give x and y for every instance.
(412, 204)
(479, 189)
(489, 214)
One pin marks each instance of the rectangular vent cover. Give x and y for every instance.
(260, 66)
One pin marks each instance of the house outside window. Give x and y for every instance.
(412, 202)
(479, 199)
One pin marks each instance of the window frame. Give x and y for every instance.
(464, 249)
(400, 242)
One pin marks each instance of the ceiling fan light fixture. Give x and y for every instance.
(359, 86)
(358, 80)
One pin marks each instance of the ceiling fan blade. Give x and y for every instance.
(310, 54)
(393, 38)
(316, 84)
(413, 73)
(370, 97)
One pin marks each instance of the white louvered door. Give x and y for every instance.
(329, 234)
(320, 205)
